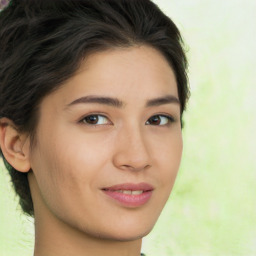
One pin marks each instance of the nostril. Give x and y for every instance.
(136, 168)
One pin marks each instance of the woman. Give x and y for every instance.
(91, 101)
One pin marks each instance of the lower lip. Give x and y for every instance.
(130, 200)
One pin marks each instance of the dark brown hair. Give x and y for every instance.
(42, 43)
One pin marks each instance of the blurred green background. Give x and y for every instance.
(212, 209)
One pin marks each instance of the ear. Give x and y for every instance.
(14, 145)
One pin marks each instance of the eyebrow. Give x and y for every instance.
(168, 99)
(114, 102)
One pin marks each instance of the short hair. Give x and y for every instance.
(43, 42)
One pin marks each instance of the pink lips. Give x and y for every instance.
(129, 194)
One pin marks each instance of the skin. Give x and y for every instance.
(72, 160)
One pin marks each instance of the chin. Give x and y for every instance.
(126, 235)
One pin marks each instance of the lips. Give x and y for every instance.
(129, 194)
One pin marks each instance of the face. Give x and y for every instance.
(109, 145)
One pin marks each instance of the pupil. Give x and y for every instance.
(155, 120)
(92, 119)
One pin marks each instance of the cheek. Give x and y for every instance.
(168, 155)
(67, 162)
(64, 177)
(167, 148)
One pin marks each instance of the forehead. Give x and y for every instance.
(131, 65)
(130, 74)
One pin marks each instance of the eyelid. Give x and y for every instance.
(170, 118)
(81, 120)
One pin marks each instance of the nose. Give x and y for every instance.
(131, 150)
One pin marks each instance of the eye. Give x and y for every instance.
(95, 120)
(160, 120)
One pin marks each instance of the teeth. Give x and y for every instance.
(137, 192)
(130, 192)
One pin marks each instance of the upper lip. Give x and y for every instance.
(131, 186)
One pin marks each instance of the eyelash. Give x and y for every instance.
(169, 121)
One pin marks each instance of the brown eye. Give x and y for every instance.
(95, 120)
(154, 120)
(159, 120)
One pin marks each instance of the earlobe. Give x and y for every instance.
(14, 145)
